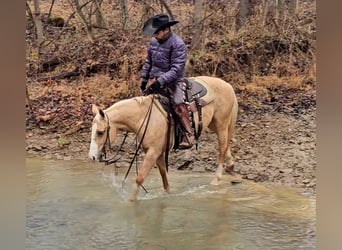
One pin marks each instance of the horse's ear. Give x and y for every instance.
(101, 113)
(94, 109)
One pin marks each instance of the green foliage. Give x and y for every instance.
(62, 141)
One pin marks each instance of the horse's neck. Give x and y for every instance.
(128, 114)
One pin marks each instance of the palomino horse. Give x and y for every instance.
(219, 115)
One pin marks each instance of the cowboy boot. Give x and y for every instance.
(183, 114)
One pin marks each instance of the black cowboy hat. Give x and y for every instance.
(157, 23)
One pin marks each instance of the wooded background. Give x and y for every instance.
(92, 51)
(240, 41)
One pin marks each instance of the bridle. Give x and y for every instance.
(107, 141)
(116, 158)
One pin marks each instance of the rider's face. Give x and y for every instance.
(161, 35)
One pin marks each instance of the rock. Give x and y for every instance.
(37, 148)
(286, 170)
(59, 157)
(306, 181)
(251, 176)
(234, 182)
(76, 149)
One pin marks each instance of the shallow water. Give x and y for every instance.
(75, 205)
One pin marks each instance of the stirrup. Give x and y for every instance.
(186, 142)
(185, 145)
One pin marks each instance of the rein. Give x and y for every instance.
(148, 116)
(114, 159)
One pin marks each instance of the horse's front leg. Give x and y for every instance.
(149, 161)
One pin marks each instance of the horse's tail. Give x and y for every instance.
(233, 119)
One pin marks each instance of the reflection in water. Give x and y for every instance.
(71, 205)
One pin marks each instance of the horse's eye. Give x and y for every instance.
(100, 133)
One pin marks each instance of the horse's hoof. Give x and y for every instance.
(229, 169)
(132, 199)
(215, 182)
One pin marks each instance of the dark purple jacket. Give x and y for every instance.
(165, 61)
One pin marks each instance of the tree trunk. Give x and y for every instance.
(292, 6)
(269, 11)
(38, 23)
(28, 99)
(286, 7)
(83, 19)
(280, 5)
(99, 14)
(124, 13)
(243, 14)
(196, 25)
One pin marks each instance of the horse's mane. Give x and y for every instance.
(125, 102)
(142, 102)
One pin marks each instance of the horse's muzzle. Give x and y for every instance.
(99, 158)
(102, 157)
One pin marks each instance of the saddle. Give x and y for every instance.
(194, 92)
(194, 89)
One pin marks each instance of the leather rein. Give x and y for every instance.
(116, 158)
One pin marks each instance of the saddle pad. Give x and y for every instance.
(209, 96)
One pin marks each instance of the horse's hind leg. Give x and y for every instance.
(229, 157)
(231, 127)
(230, 162)
(162, 169)
(222, 135)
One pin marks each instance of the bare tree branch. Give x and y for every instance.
(167, 9)
(50, 10)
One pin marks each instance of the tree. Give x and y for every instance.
(124, 13)
(285, 6)
(100, 22)
(163, 3)
(196, 24)
(83, 19)
(245, 10)
(38, 23)
(292, 6)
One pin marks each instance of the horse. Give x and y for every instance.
(219, 115)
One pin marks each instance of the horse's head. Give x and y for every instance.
(100, 134)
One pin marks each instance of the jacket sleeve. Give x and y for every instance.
(145, 72)
(177, 64)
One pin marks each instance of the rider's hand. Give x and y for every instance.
(143, 85)
(156, 86)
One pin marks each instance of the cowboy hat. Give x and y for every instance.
(157, 23)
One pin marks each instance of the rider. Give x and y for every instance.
(164, 68)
